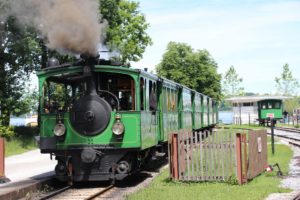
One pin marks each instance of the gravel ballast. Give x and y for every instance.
(292, 181)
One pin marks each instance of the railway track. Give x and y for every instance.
(71, 193)
(295, 130)
(291, 139)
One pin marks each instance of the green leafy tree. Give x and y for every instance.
(231, 83)
(291, 104)
(19, 57)
(195, 69)
(126, 29)
(286, 84)
(22, 51)
(27, 104)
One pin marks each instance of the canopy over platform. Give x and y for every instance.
(249, 99)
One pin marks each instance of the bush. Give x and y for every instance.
(6, 131)
(26, 131)
(26, 134)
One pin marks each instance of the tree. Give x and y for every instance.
(28, 103)
(126, 30)
(22, 51)
(291, 104)
(231, 83)
(194, 69)
(286, 84)
(19, 57)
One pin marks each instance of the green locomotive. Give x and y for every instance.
(103, 122)
(269, 109)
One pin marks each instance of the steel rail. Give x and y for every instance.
(100, 192)
(295, 130)
(52, 194)
(93, 196)
(289, 138)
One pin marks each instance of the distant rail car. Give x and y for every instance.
(269, 109)
(104, 122)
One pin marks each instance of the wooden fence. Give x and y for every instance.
(217, 155)
(257, 152)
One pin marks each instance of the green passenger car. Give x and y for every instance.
(269, 109)
(103, 122)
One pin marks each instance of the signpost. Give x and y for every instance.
(272, 135)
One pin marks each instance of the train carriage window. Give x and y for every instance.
(142, 88)
(263, 105)
(174, 100)
(165, 101)
(169, 101)
(270, 106)
(277, 105)
(152, 96)
(115, 87)
(60, 96)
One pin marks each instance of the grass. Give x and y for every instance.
(16, 146)
(259, 188)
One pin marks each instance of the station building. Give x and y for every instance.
(245, 109)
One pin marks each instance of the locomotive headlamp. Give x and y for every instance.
(59, 129)
(118, 127)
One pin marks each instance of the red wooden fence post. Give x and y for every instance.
(3, 178)
(2, 169)
(175, 156)
(2, 155)
(239, 158)
(244, 140)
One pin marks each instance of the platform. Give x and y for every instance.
(27, 172)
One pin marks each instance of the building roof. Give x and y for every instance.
(254, 98)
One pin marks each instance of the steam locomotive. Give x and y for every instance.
(103, 122)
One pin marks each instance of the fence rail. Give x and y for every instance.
(216, 155)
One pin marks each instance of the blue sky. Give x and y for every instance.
(256, 37)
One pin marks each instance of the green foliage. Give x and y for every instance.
(231, 83)
(225, 106)
(126, 31)
(21, 141)
(291, 104)
(28, 103)
(194, 69)
(22, 52)
(19, 53)
(286, 84)
(26, 131)
(6, 131)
